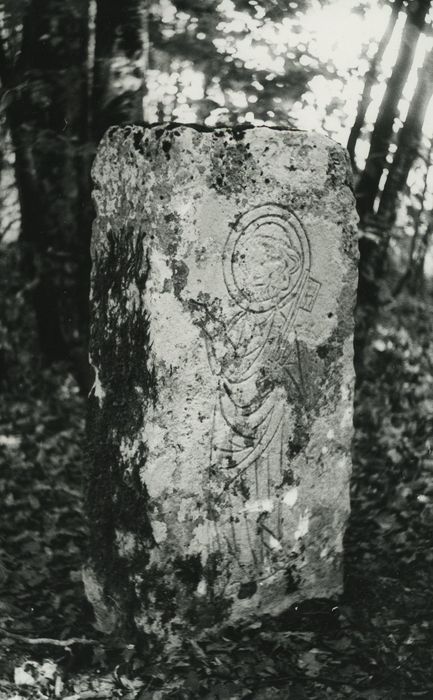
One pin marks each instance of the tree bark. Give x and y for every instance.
(409, 142)
(121, 48)
(370, 80)
(48, 124)
(374, 253)
(416, 279)
(60, 106)
(413, 277)
(368, 184)
(374, 234)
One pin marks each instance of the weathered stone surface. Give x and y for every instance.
(223, 289)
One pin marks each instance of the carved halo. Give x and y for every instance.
(265, 258)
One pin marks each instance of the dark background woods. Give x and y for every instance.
(59, 91)
(68, 70)
(71, 69)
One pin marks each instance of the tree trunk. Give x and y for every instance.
(55, 120)
(48, 124)
(374, 232)
(368, 184)
(409, 142)
(374, 252)
(416, 279)
(121, 48)
(370, 80)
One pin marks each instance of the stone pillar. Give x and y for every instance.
(223, 288)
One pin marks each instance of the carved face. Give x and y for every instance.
(264, 258)
(268, 272)
(266, 266)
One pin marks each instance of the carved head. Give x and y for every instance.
(265, 258)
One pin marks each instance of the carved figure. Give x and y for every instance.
(266, 265)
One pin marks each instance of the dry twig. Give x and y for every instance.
(47, 640)
(88, 694)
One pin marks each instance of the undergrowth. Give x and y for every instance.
(375, 642)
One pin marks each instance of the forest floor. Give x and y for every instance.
(375, 642)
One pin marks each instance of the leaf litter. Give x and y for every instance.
(374, 643)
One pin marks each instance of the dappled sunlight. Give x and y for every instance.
(227, 297)
(335, 41)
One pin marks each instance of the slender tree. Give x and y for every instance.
(368, 184)
(413, 277)
(60, 99)
(45, 80)
(376, 237)
(121, 49)
(370, 80)
(408, 145)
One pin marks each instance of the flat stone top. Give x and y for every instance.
(187, 181)
(244, 164)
